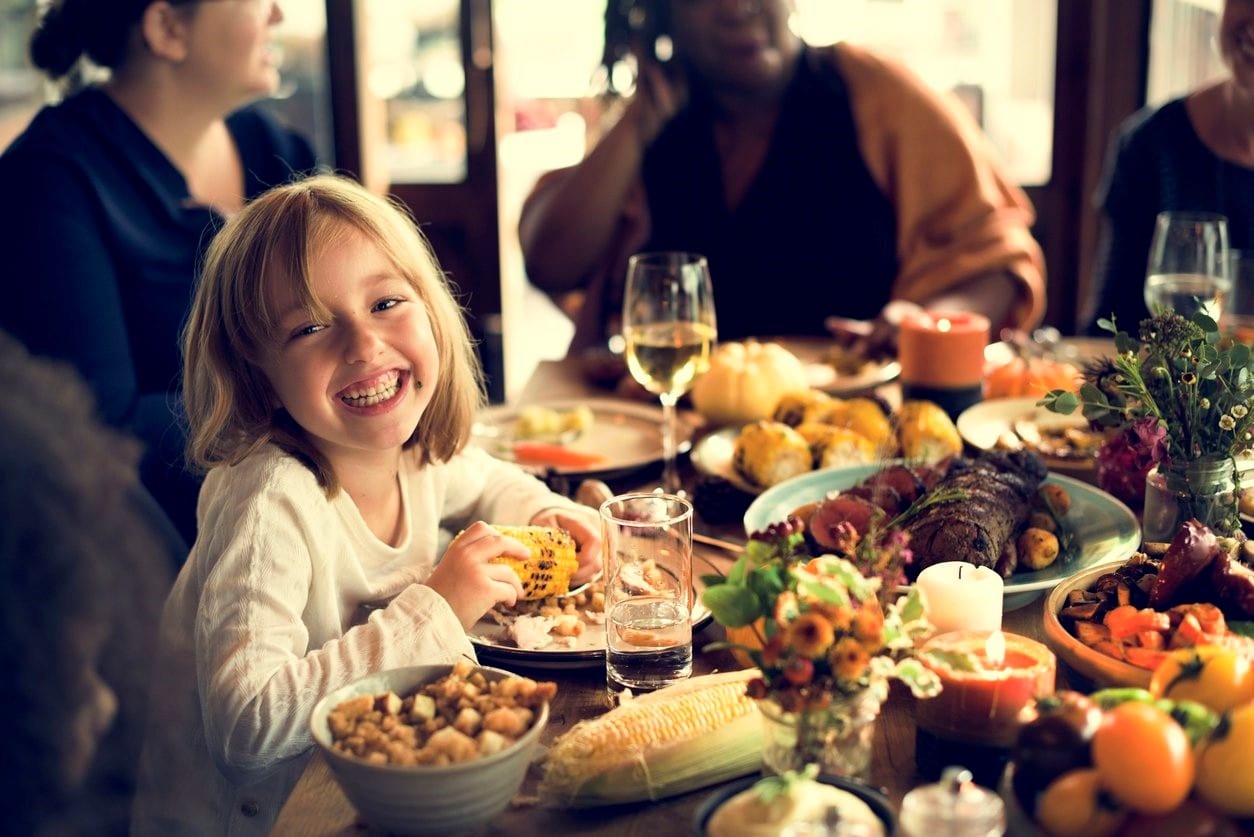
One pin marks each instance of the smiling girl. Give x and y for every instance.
(330, 387)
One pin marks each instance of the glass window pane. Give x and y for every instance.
(1182, 53)
(22, 88)
(414, 65)
(997, 55)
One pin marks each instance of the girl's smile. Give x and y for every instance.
(377, 394)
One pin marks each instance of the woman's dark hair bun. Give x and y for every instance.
(71, 28)
(55, 44)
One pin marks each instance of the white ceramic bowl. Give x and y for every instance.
(425, 799)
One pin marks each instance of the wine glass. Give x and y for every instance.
(1188, 264)
(669, 328)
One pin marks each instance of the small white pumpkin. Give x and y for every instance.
(745, 382)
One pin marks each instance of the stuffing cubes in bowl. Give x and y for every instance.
(429, 749)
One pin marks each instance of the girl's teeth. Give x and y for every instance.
(374, 395)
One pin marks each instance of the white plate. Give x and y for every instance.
(811, 351)
(712, 455)
(589, 648)
(982, 424)
(626, 433)
(1104, 529)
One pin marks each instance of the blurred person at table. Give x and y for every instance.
(817, 181)
(1192, 154)
(111, 195)
(330, 384)
(84, 568)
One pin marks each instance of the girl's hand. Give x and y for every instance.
(468, 582)
(584, 525)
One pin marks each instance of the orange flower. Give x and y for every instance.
(810, 635)
(848, 659)
(868, 625)
(839, 617)
(772, 650)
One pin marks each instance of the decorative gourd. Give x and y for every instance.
(745, 381)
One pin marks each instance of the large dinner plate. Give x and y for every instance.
(588, 649)
(626, 434)
(820, 374)
(1105, 531)
(981, 425)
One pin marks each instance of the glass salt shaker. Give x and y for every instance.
(954, 807)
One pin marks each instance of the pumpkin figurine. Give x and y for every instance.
(745, 382)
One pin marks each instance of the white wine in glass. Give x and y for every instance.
(670, 331)
(1188, 264)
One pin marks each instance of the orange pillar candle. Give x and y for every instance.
(982, 706)
(942, 357)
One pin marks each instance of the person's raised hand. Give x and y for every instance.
(467, 579)
(584, 525)
(658, 97)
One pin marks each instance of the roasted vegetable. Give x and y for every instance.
(768, 452)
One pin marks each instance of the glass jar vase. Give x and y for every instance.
(839, 738)
(1202, 489)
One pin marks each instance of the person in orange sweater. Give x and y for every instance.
(818, 182)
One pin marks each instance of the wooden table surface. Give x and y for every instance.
(317, 806)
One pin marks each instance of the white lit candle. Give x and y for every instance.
(961, 596)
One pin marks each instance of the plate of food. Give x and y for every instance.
(562, 632)
(603, 437)
(1066, 442)
(1114, 624)
(796, 805)
(836, 370)
(1098, 529)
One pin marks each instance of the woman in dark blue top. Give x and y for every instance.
(1195, 153)
(112, 195)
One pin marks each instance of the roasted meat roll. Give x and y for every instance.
(999, 490)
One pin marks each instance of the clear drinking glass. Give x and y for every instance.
(1239, 308)
(669, 328)
(646, 542)
(1188, 264)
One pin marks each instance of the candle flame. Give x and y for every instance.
(995, 649)
(943, 324)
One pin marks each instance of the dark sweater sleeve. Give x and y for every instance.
(62, 289)
(1129, 197)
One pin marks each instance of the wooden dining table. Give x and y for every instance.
(317, 806)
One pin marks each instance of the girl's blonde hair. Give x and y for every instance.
(231, 408)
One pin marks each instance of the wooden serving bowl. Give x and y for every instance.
(1103, 670)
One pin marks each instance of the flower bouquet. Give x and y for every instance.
(1182, 397)
(826, 638)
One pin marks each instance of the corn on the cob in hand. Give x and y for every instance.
(553, 559)
(693, 734)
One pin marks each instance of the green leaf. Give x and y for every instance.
(1204, 321)
(952, 660)
(910, 606)
(766, 583)
(1107, 325)
(1060, 401)
(809, 588)
(922, 681)
(737, 572)
(1242, 628)
(1239, 355)
(731, 606)
(709, 580)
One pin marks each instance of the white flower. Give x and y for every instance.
(1227, 422)
(1239, 410)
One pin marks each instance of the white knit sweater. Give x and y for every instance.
(264, 619)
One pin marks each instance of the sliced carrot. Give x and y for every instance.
(1146, 658)
(1151, 639)
(556, 456)
(1126, 620)
(1189, 632)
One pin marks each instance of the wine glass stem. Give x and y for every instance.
(670, 471)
